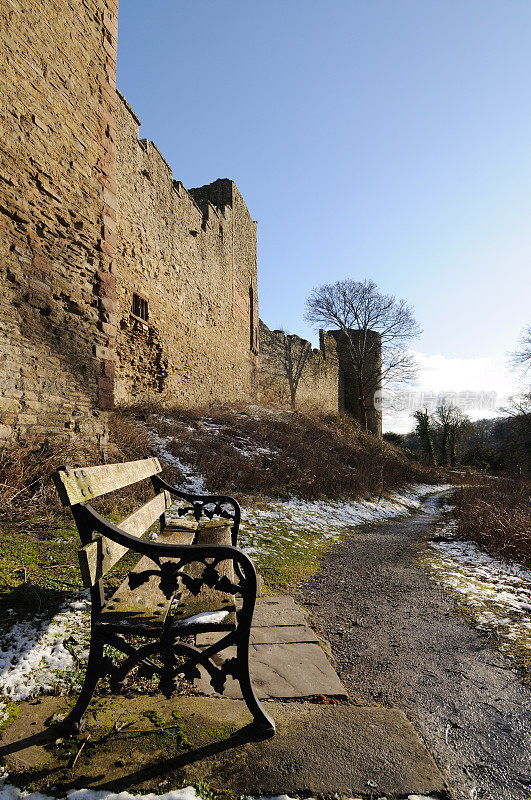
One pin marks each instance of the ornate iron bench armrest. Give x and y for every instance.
(181, 554)
(208, 505)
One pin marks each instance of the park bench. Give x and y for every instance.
(191, 578)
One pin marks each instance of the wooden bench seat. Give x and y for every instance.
(190, 578)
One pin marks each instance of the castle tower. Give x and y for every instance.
(356, 399)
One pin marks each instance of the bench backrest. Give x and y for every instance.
(85, 483)
(76, 486)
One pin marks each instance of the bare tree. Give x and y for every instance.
(286, 357)
(519, 408)
(424, 430)
(520, 359)
(450, 420)
(357, 308)
(518, 411)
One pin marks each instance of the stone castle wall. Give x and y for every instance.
(349, 396)
(57, 192)
(327, 381)
(282, 356)
(192, 256)
(90, 215)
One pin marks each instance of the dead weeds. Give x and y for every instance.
(497, 516)
(272, 453)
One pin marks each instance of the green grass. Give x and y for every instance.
(39, 569)
(517, 650)
(286, 557)
(36, 574)
(12, 711)
(206, 791)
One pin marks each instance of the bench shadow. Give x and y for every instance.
(44, 737)
(158, 769)
(247, 734)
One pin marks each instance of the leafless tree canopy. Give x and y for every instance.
(519, 408)
(440, 433)
(358, 305)
(424, 430)
(450, 421)
(521, 358)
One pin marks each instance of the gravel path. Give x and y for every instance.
(397, 641)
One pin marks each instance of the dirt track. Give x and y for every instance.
(398, 641)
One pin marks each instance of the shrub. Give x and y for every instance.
(279, 453)
(497, 516)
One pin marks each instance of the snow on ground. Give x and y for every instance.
(497, 592)
(33, 656)
(192, 482)
(241, 444)
(8, 792)
(283, 522)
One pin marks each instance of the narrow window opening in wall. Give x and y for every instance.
(253, 330)
(220, 233)
(139, 307)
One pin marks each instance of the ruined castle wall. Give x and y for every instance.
(57, 201)
(281, 356)
(349, 397)
(191, 255)
(327, 379)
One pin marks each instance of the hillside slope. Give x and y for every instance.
(258, 451)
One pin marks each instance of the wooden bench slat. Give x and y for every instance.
(144, 609)
(79, 485)
(99, 556)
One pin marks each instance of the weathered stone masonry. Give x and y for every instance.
(327, 381)
(90, 216)
(57, 215)
(191, 256)
(319, 385)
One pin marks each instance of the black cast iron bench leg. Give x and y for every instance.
(92, 675)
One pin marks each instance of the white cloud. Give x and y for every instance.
(474, 379)
(439, 373)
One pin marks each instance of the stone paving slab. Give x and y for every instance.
(285, 658)
(317, 750)
(273, 611)
(279, 634)
(291, 670)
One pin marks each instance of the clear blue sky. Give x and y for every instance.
(383, 139)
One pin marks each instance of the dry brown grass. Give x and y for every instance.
(279, 453)
(288, 453)
(26, 487)
(497, 516)
(25, 475)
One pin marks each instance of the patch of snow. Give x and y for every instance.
(241, 444)
(419, 797)
(293, 520)
(8, 792)
(246, 447)
(193, 483)
(497, 592)
(206, 617)
(33, 654)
